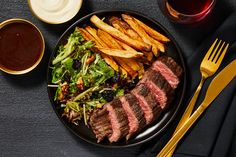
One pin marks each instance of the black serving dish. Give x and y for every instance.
(151, 131)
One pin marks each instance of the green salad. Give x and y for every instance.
(83, 80)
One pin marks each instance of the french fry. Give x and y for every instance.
(125, 67)
(93, 32)
(159, 45)
(125, 46)
(141, 70)
(107, 38)
(153, 33)
(131, 62)
(111, 41)
(119, 35)
(103, 44)
(123, 72)
(156, 46)
(107, 58)
(120, 53)
(116, 44)
(124, 27)
(87, 36)
(148, 55)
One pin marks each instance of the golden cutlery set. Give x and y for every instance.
(208, 67)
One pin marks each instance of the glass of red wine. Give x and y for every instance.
(186, 11)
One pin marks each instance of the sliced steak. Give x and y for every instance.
(169, 69)
(147, 102)
(118, 119)
(134, 113)
(125, 116)
(158, 85)
(100, 124)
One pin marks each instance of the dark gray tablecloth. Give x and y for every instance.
(28, 124)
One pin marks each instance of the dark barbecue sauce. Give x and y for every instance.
(20, 46)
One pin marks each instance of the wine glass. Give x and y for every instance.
(186, 11)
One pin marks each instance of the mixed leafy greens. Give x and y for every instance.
(83, 79)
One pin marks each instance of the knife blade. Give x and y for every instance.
(216, 86)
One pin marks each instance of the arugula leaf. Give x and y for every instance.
(98, 72)
(58, 91)
(73, 88)
(68, 64)
(74, 41)
(120, 92)
(71, 105)
(57, 74)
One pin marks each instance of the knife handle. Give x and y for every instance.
(188, 111)
(181, 132)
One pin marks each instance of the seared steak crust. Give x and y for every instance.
(171, 64)
(121, 121)
(149, 98)
(138, 112)
(159, 86)
(100, 124)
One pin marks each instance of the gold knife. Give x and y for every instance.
(214, 89)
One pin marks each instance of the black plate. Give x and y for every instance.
(151, 131)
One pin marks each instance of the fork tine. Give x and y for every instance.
(210, 50)
(219, 60)
(218, 53)
(215, 50)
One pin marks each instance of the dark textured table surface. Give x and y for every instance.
(28, 124)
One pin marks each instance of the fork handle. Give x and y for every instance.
(188, 111)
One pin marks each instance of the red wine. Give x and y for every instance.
(190, 7)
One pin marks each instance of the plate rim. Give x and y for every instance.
(181, 58)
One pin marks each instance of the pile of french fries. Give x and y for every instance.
(126, 43)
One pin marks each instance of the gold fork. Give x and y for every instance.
(216, 86)
(208, 67)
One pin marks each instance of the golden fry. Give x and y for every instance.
(112, 43)
(123, 72)
(148, 55)
(124, 27)
(88, 36)
(104, 45)
(107, 38)
(119, 35)
(93, 32)
(146, 38)
(153, 33)
(125, 46)
(159, 45)
(129, 70)
(131, 62)
(120, 53)
(116, 44)
(108, 59)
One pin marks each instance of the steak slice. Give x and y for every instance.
(118, 119)
(100, 124)
(147, 102)
(169, 69)
(158, 85)
(134, 113)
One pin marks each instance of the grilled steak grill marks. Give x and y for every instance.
(135, 111)
(100, 124)
(159, 87)
(133, 121)
(147, 102)
(119, 120)
(166, 73)
(171, 64)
